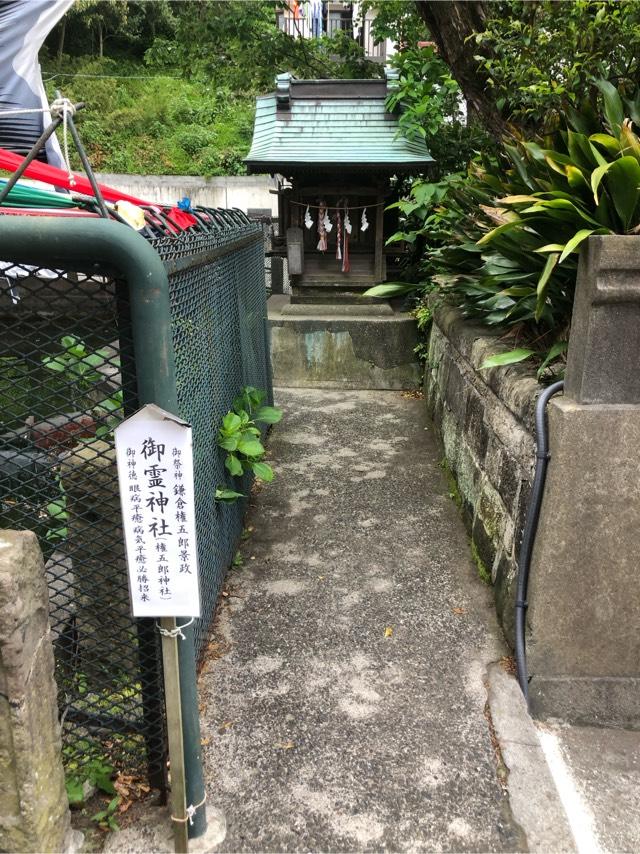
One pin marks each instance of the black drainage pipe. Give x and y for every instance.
(529, 534)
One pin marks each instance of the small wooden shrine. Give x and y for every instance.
(333, 149)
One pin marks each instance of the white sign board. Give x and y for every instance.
(154, 451)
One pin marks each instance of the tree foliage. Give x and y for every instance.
(502, 240)
(451, 26)
(241, 43)
(541, 59)
(429, 106)
(555, 86)
(170, 86)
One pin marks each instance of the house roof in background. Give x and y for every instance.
(315, 123)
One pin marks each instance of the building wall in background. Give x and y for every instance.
(241, 191)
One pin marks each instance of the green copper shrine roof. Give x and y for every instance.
(315, 123)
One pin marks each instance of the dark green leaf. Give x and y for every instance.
(558, 349)
(613, 108)
(263, 471)
(233, 465)
(510, 358)
(267, 415)
(623, 180)
(250, 447)
(541, 287)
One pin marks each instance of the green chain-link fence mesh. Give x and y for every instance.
(67, 376)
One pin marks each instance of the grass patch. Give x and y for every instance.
(157, 125)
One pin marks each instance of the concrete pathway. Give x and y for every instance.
(357, 695)
(348, 708)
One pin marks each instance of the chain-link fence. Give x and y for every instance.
(67, 376)
(219, 311)
(275, 265)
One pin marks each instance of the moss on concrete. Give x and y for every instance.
(483, 572)
(454, 492)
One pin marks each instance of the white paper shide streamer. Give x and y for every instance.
(307, 218)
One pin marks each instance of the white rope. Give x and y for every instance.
(174, 633)
(191, 811)
(338, 207)
(60, 107)
(64, 107)
(20, 112)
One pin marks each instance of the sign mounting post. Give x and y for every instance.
(154, 453)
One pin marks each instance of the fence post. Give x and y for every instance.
(93, 245)
(156, 380)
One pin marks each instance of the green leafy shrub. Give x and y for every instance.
(194, 139)
(502, 242)
(543, 59)
(79, 367)
(239, 436)
(96, 772)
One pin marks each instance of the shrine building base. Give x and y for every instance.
(343, 346)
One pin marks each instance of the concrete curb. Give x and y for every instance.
(153, 832)
(533, 796)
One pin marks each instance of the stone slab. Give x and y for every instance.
(532, 790)
(586, 700)
(602, 362)
(584, 611)
(605, 767)
(350, 349)
(337, 310)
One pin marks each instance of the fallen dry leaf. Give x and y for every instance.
(129, 789)
(388, 632)
(459, 611)
(287, 745)
(508, 663)
(204, 741)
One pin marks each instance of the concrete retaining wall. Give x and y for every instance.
(342, 346)
(237, 191)
(485, 420)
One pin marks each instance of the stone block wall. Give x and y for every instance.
(485, 420)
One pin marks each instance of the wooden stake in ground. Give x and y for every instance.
(179, 817)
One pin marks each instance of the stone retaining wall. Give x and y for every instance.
(485, 420)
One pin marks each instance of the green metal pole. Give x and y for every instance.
(90, 245)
